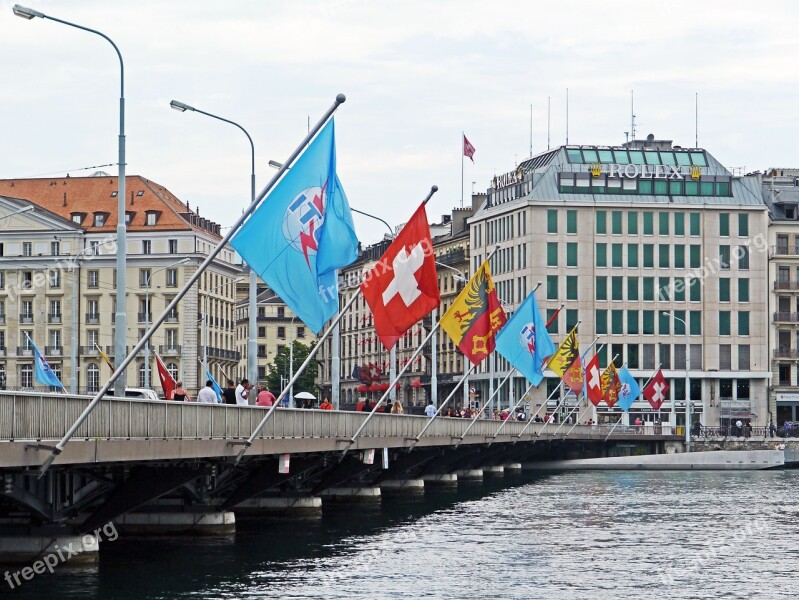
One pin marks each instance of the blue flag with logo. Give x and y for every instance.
(42, 372)
(524, 341)
(302, 233)
(215, 385)
(630, 390)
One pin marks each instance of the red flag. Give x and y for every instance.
(402, 287)
(468, 149)
(167, 383)
(593, 381)
(656, 391)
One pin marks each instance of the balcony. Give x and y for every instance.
(786, 353)
(145, 317)
(89, 351)
(54, 318)
(109, 350)
(172, 317)
(2, 319)
(24, 351)
(223, 353)
(54, 350)
(453, 258)
(2, 350)
(169, 350)
(25, 319)
(783, 250)
(786, 285)
(92, 318)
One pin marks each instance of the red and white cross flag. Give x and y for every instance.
(468, 149)
(402, 287)
(656, 391)
(593, 381)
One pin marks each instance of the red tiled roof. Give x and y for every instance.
(67, 195)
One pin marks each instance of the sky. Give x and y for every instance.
(416, 74)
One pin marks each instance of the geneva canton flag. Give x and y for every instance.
(524, 341)
(302, 233)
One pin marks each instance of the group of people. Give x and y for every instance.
(241, 394)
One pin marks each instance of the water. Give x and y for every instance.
(566, 535)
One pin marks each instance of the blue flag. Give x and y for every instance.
(630, 390)
(302, 233)
(215, 385)
(43, 373)
(524, 341)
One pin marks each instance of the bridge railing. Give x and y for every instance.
(41, 416)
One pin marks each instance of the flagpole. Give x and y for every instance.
(646, 384)
(577, 404)
(59, 447)
(461, 381)
(485, 404)
(463, 146)
(554, 316)
(501, 427)
(248, 442)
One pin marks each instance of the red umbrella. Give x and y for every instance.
(373, 388)
(416, 383)
(362, 388)
(383, 387)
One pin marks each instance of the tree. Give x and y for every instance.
(279, 371)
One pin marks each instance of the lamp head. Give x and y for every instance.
(26, 13)
(665, 313)
(275, 165)
(180, 106)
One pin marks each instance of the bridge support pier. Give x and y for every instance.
(469, 475)
(495, 471)
(351, 495)
(402, 486)
(280, 506)
(513, 468)
(440, 479)
(49, 550)
(193, 523)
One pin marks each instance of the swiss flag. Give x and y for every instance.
(593, 381)
(403, 286)
(168, 384)
(656, 391)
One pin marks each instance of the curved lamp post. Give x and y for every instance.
(687, 385)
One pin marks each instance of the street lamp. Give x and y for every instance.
(121, 314)
(147, 318)
(433, 377)
(252, 343)
(687, 385)
(18, 212)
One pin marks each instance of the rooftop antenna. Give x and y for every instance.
(531, 131)
(696, 120)
(627, 137)
(549, 107)
(567, 116)
(632, 114)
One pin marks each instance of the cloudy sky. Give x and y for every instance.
(416, 73)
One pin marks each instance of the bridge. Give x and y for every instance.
(167, 467)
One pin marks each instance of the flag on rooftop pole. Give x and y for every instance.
(168, 383)
(402, 288)
(42, 372)
(655, 392)
(475, 316)
(567, 364)
(629, 390)
(525, 342)
(302, 233)
(468, 149)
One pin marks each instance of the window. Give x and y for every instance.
(571, 221)
(649, 289)
(694, 256)
(54, 338)
(724, 289)
(300, 332)
(616, 288)
(55, 279)
(664, 284)
(99, 219)
(679, 223)
(649, 256)
(601, 222)
(679, 289)
(724, 322)
(27, 249)
(649, 356)
(77, 218)
(281, 312)
(93, 378)
(601, 318)
(615, 222)
(616, 255)
(648, 223)
(552, 221)
(665, 356)
(679, 256)
(695, 286)
(146, 247)
(571, 254)
(601, 255)
(144, 278)
(743, 322)
(2, 280)
(743, 357)
(695, 323)
(743, 225)
(571, 319)
(724, 257)
(601, 288)
(663, 223)
(93, 279)
(571, 287)
(724, 224)
(171, 277)
(55, 248)
(632, 289)
(617, 322)
(552, 254)
(648, 322)
(173, 246)
(743, 290)
(632, 256)
(27, 280)
(151, 219)
(632, 356)
(742, 253)
(632, 322)
(552, 287)
(55, 309)
(171, 338)
(632, 223)
(93, 308)
(694, 224)
(663, 256)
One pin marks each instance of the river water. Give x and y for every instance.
(610, 534)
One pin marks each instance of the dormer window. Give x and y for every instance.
(114, 194)
(77, 218)
(129, 218)
(100, 218)
(140, 193)
(152, 218)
